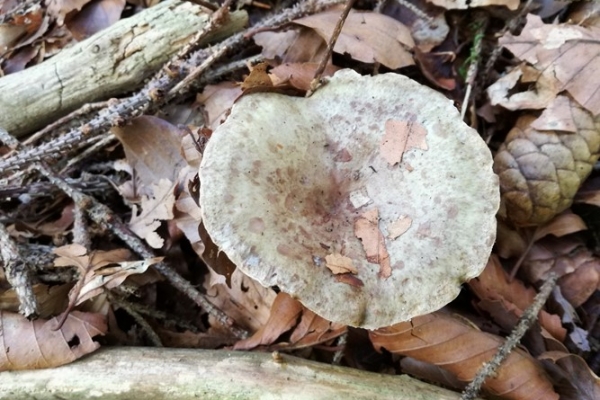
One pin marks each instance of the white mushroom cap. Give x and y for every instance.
(371, 201)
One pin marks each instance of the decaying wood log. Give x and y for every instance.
(113, 61)
(178, 374)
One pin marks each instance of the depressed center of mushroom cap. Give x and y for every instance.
(370, 201)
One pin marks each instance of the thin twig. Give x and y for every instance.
(525, 322)
(125, 305)
(72, 117)
(80, 228)
(101, 141)
(532, 239)
(315, 83)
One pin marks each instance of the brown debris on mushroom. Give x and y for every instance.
(312, 170)
(366, 228)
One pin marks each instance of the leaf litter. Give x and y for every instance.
(556, 63)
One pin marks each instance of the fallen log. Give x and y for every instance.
(185, 374)
(111, 62)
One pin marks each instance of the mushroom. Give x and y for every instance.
(371, 202)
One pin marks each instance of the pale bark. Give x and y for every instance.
(177, 374)
(113, 61)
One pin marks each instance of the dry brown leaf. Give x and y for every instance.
(571, 53)
(187, 215)
(544, 89)
(561, 256)
(157, 206)
(367, 36)
(307, 328)
(153, 148)
(96, 271)
(580, 285)
(442, 340)
(60, 8)
(94, 17)
(563, 224)
(512, 243)
(284, 315)
(400, 137)
(160, 154)
(246, 301)
(493, 286)
(258, 77)
(570, 259)
(217, 100)
(36, 344)
(298, 45)
(556, 117)
(60, 225)
(540, 172)
(430, 373)
(19, 59)
(312, 330)
(366, 228)
(399, 227)
(299, 75)
(339, 264)
(571, 371)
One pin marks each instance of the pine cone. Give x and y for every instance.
(540, 171)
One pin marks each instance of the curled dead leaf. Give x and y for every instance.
(440, 339)
(36, 344)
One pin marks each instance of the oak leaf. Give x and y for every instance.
(37, 344)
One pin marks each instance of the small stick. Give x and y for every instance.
(315, 83)
(125, 305)
(8, 139)
(101, 141)
(527, 319)
(81, 112)
(18, 274)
